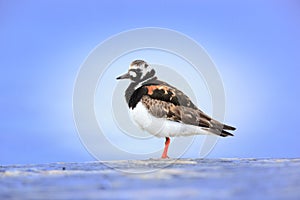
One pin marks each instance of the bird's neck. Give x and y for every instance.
(135, 85)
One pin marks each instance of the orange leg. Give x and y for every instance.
(165, 153)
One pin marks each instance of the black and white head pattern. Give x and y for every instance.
(140, 71)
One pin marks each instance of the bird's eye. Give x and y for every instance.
(132, 73)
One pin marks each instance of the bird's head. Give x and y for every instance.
(138, 71)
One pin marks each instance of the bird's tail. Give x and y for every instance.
(221, 129)
(227, 127)
(225, 134)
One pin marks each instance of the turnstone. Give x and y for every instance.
(163, 110)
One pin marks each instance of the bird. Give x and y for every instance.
(163, 110)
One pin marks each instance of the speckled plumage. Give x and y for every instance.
(161, 109)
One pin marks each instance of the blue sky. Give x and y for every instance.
(254, 44)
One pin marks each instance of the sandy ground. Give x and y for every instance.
(154, 179)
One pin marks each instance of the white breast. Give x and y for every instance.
(161, 127)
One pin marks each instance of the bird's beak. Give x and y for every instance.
(124, 76)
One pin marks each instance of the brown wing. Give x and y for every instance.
(186, 115)
(164, 101)
(163, 109)
(168, 93)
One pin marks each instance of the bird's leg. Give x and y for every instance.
(165, 153)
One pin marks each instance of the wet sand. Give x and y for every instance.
(154, 178)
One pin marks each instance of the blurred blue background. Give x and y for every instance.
(254, 44)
